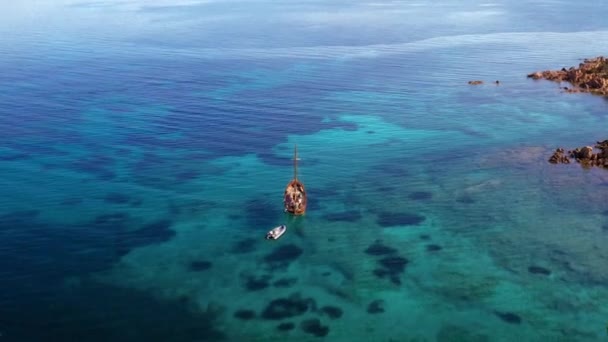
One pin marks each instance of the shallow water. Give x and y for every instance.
(146, 146)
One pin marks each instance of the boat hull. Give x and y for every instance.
(294, 198)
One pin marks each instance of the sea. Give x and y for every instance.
(145, 147)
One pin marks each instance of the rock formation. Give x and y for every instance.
(590, 76)
(559, 157)
(583, 155)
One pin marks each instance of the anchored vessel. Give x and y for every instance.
(294, 198)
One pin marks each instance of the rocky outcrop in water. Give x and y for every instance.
(590, 76)
(478, 82)
(559, 157)
(583, 155)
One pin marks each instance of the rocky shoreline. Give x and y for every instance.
(590, 76)
(583, 155)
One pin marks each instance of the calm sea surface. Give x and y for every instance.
(145, 147)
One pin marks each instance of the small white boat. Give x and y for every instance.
(276, 232)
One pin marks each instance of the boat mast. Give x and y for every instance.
(295, 162)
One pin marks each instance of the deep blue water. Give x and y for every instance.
(145, 147)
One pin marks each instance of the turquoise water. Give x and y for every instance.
(146, 147)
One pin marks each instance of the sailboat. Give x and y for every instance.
(294, 198)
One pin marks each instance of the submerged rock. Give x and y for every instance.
(378, 248)
(244, 314)
(285, 282)
(253, 283)
(287, 307)
(314, 327)
(394, 264)
(332, 311)
(282, 256)
(200, 265)
(381, 273)
(287, 326)
(391, 268)
(539, 270)
(375, 307)
(433, 248)
(508, 317)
